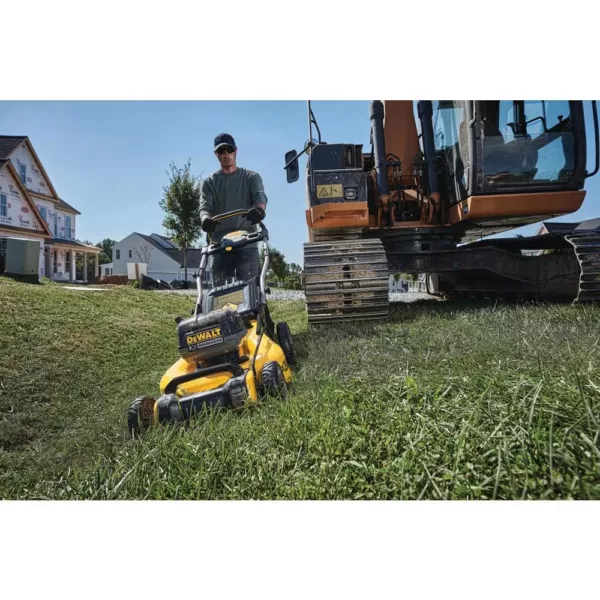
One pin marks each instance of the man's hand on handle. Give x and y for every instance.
(256, 215)
(209, 225)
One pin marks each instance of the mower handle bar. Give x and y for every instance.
(257, 236)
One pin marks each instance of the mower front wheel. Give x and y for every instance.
(140, 413)
(273, 381)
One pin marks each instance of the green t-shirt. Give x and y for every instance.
(224, 192)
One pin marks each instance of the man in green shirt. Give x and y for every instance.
(232, 188)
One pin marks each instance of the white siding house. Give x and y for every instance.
(106, 269)
(163, 258)
(34, 219)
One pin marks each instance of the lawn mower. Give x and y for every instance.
(232, 355)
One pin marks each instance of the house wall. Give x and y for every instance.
(19, 213)
(106, 269)
(62, 269)
(160, 266)
(193, 268)
(36, 182)
(61, 222)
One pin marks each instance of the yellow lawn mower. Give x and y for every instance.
(232, 355)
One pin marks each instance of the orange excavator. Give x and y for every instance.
(423, 202)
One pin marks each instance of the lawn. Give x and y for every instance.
(446, 400)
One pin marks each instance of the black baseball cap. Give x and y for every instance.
(224, 139)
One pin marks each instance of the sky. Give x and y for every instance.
(109, 159)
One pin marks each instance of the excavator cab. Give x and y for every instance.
(509, 146)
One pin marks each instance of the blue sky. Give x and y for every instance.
(109, 159)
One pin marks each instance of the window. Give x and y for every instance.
(130, 254)
(3, 206)
(23, 173)
(68, 263)
(55, 225)
(42, 210)
(528, 141)
(68, 228)
(448, 116)
(55, 261)
(452, 145)
(118, 254)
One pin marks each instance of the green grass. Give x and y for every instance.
(443, 401)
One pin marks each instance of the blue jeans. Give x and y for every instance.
(242, 263)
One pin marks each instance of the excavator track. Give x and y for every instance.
(587, 250)
(346, 280)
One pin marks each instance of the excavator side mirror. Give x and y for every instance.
(292, 169)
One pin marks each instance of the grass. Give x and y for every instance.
(443, 401)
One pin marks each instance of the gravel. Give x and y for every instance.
(291, 295)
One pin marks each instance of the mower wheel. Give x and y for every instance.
(273, 380)
(139, 415)
(284, 337)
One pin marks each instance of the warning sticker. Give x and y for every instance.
(330, 191)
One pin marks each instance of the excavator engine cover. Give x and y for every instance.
(338, 174)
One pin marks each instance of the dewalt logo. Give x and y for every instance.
(203, 336)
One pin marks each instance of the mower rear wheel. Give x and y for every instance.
(139, 415)
(284, 337)
(273, 380)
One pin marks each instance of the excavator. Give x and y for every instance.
(427, 202)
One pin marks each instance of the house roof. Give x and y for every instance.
(73, 243)
(553, 227)
(60, 203)
(8, 143)
(589, 224)
(27, 197)
(66, 206)
(193, 254)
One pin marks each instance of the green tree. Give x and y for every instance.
(181, 204)
(294, 278)
(106, 246)
(278, 264)
(289, 274)
(80, 263)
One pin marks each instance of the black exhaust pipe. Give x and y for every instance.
(378, 141)
(425, 111)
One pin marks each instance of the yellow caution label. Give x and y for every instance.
(335, 190)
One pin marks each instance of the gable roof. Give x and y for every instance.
(66, 206)
(553, 227)
(8, 143)
(589, 224)
(193, 254)
(26, 196)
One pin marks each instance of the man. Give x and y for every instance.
(232, 188)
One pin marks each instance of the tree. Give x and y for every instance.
(294, 278)
(278, 264)
(181, 203)
(80, 262)
(288, 274)
(295, 269)
(106, 246)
